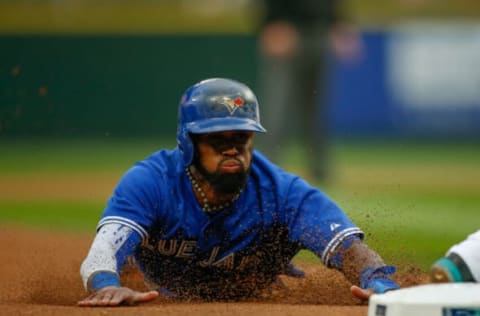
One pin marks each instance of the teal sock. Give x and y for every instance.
(450, 267)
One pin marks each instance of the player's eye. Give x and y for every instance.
(240, 139)
(216, 142)
(220, 142)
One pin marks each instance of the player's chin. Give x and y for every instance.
(230, 182)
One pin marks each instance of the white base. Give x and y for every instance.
(445, 299)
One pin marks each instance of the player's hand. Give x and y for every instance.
(362, 294)
(114, 296)
(374, 280)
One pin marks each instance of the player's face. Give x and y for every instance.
(224, 158)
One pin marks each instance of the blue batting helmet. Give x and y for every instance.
(215, 105)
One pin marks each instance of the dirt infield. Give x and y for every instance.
(39, 276)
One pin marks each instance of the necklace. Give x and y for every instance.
(206, 204)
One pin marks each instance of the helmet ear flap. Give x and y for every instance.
(185, 145)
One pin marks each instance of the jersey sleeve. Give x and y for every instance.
(112, 245)
(317, 223)
(134, 201)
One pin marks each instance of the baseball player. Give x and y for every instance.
(461, 262)
(214, 219)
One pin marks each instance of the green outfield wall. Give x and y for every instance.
(129, 85)
(118, 85)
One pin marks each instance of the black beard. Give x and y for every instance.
(223, 183)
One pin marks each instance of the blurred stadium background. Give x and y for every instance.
(88, 87)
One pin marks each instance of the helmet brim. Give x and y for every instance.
(224, 124)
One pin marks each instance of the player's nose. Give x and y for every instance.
(232, 151)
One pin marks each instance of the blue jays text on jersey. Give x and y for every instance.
(232, 252)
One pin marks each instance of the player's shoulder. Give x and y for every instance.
(269, 174)
(272, 177)
(157, 167)
(164, 161)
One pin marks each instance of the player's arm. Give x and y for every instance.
(113, 244)
(322, 227)
(364, 268)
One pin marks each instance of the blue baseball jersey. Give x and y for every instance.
(236, 251)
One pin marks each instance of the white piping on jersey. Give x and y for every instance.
(102, 254)
(125, 221)
(339, 237)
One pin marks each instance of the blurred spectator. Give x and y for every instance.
(294, 41)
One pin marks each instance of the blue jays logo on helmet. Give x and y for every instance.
(215, 105)
(231, 104)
